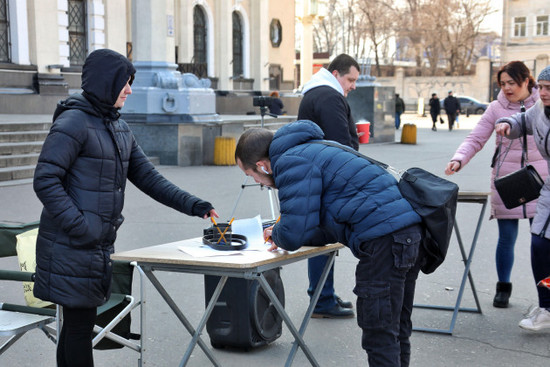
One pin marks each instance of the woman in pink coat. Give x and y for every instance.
(517, 86)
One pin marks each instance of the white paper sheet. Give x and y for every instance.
(253, 230)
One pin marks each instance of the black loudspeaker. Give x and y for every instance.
(244, 316)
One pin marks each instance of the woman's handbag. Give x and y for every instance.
(523, 185)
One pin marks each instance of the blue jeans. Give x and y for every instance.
(385, 280)
(540, 253)
(397, 120)
(504, 257)
(327, 298)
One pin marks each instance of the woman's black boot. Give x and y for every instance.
(504, 290)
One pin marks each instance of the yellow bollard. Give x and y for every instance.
(224, 151)
(408, 134)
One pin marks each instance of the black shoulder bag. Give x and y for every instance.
(523, 185)
(432, 197)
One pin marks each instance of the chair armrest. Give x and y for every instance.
(22, 276)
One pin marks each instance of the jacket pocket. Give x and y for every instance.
(373, 304)
(405, 248)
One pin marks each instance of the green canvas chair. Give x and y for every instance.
(113, 323)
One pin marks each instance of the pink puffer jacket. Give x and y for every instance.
(481, 134)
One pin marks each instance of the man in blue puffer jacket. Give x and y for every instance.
(328, 194)
(80, 179)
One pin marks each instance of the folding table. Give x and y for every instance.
(463, 197)
(248, 265)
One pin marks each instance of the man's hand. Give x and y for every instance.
(502, 129)
(267, 239)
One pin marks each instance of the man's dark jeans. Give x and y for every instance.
(385, 282)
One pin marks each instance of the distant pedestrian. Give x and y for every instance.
(399, 109)
(452, 108)
(517, 88)
(435, 110)
(276, 106)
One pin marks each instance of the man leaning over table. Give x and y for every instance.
(327, 195)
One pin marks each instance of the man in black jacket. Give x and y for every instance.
(325, 103)
(80, 178)
(452, 108)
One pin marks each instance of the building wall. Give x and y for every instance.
(531, 46)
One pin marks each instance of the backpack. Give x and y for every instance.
(433, 198)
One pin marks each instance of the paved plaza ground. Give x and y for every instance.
(489, 339)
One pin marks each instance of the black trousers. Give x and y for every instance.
(385, 283)
(75, 342)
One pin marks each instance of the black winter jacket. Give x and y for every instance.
(81, 177)
(330, 110)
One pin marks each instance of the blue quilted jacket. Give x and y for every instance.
(330, 195)
(80, 179)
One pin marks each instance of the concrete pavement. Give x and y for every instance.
(488, 339)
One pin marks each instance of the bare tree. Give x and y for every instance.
(378, 27)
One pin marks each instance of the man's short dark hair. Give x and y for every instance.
(342, 63)
(253, 146)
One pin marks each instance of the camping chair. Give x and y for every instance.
(17, 319)
(112, 328)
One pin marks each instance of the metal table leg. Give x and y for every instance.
(195, 333)
(465, 276)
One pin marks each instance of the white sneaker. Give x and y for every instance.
(537, 319)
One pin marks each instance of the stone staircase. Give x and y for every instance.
(20, 145)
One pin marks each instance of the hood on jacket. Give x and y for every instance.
(74, 102)
(104, 74)
(529, 101)
(291, 135)
(323, 78)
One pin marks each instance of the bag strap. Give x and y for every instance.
(401, 173)
(524, 155)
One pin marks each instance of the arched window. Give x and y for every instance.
(199, 35)
(77, 32)
(237, 45)
(4, 32)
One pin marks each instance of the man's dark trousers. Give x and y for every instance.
(385, 282)
(327, 299)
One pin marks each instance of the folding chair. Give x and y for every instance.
(17, 319)
(112, 328)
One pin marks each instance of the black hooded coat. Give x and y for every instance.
(80, 179)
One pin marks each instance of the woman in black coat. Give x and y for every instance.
(80, 179)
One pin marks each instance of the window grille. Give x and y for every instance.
(77, 32)
(4, 32)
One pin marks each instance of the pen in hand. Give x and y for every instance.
(269, 237)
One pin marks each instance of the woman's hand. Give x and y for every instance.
(452, 167)
(502, 129)
(211, 213)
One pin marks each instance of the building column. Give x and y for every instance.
(259, 42)
(306, 51)
(224, 44)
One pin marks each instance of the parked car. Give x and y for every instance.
(468, 106)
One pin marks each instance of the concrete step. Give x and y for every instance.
(16, 173)
(23, 136)
(20, 148)
(9, 126)
(18, 160)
